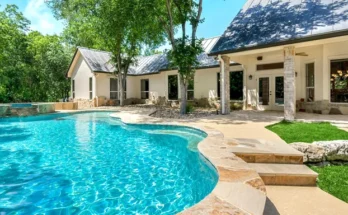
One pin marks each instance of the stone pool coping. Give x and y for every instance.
(240, 190)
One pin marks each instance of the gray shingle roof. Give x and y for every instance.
(99, 61)
(269, 22)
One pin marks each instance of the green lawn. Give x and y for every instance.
(334, 180)
(292, 132)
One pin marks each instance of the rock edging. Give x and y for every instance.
(323, 151)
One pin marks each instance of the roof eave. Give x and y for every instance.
(282, 43)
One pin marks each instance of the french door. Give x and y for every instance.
(270, 90)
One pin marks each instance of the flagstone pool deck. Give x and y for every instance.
(240, 189)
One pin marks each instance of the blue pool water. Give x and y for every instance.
(24, 105)
(90, 163)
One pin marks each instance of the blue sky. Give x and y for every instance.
(217, 13)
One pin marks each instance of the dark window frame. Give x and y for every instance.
(145, 94)
(232, 95)
(177, 88)
(73, 89)
(339, 81)
(113, 91)
(90, 88)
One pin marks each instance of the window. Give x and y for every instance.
(145, 88)
(236, 85)
(339, 81)
(190, 90)
(73, 89)
(310, 82)
(173, 87)
(270, 66)
(90, 88)
(113, 88)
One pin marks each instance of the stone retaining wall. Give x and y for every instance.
(322, 107)
(35, 109)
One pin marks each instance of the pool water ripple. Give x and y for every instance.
(88, 163)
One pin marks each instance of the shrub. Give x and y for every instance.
(189, 108)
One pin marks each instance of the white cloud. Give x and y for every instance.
(41, 18)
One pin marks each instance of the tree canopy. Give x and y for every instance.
(120, 27)
(32, 65)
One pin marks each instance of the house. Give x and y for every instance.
(275, 55)
(294, 55)
(149, 79)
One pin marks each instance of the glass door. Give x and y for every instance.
(271, 92)
(264, 93)
(278, 93)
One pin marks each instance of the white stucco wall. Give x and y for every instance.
(81, 75)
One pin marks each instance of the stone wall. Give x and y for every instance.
(35, 109)
(322, 107)
(4, 110)
(85, 103)
(45, 108)
(66, 106)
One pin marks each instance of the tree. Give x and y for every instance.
(185, 49)
(32, 66)
(121, 27)
(13, 55)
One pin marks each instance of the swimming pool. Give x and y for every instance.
(89, 163)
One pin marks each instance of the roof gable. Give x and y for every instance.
(99, 61)
(267, 22)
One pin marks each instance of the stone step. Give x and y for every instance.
(270, 158)
(264, 151)
(285, 174)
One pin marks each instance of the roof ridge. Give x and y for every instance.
(81, 47)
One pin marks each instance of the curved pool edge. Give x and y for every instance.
(240, 190)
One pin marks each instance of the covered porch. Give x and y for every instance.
(308, 76)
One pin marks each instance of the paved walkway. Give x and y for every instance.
(287, 200)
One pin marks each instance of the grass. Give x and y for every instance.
(292, 132)
(334, 180)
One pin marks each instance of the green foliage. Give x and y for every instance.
(185, 49)
(121, 27)
(32, 66)
(307, 132)
(190, 108)
(334, 180)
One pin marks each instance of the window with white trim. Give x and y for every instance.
(113, 88)
(145, 88)
(310, 80)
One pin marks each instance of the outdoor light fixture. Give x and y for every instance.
(296, 74)
(250, 77)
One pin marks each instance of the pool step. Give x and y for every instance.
(285, 174)
(270, 158)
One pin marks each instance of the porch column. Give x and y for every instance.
(289, 84)
(225, 85)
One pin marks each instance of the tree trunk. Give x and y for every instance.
(120, 81)
(183, 91)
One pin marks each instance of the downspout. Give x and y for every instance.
(222, 83)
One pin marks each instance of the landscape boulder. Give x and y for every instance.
(323, 151)
(311, 153)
